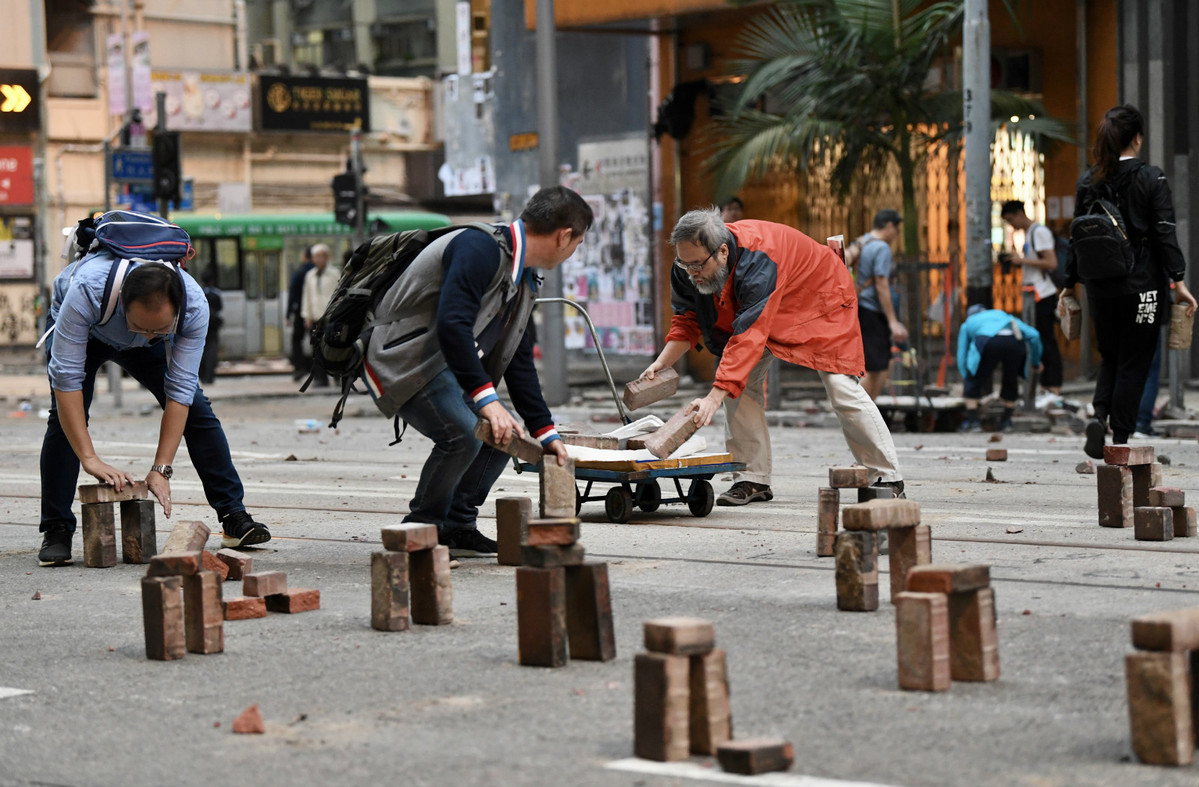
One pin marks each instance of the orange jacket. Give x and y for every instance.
(785, 292)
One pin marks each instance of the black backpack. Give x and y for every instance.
(1099, 237)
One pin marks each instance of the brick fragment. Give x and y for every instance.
(996, 454)
(562, 531)
(667, 439)
(881, 514)
(409, 537)
(589, 613)
(541, 616)
(1184, 521)
(827, 513)
(177, 564)
(552, 557)
(210, 562)
(431, 590)
(857, 571)
(526, 449)
(1168, 496)
(635, 443)
(1159, 707)
(249, 722)
(264, 583)
(239, 563)
(512, 516)
(389, 591)
(1153, 523)
(99, 535)
(139, 542)
(711, 715)
(103, 493)
(909, 547)
(1115, 495)
(203, 613)
(679, 636)
(642, 392)
(661, 707)
(592, 441)
(973, 639)
(1128, 454)
(756, 755)
(922, 640)
(294, 601)
(1174, 630)
(558, 496)
(187, 536)
(848, 477)
(162, 616)
(868, 493)
(244, 607)
(948, 578)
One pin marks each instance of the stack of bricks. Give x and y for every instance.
(680, 691)
(271, 587)
(138, 543)
(563, 605)
(1124, 481)
(830, 502)
(410, 580)
(945, 623)
(1165, 517)
(857, 550)
(181, 607)
(1162, 707)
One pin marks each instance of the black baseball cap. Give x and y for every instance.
(887, 216)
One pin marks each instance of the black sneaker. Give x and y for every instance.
(745, 492)
(56, 546)
(466, 543)
(240, 530)
(895, 486)
(1096, 434)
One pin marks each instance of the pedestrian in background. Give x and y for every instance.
(319, 286)
(1038, 263)
(991, 339)
(295, 297)
(732, 210)
(876, 308)
(212, 341)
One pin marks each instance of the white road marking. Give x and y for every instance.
(690, 770)
(6, 692)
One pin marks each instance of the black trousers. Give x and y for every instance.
(1126, 331)
(1051, 354)
(300, 362)
(1006, 351)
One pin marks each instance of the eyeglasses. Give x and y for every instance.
(156, 335)
(694, 267)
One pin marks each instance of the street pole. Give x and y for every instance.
(160, 127)
(976, 84)
(552, 335)
(359, 233)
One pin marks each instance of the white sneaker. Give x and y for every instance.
(1048, 399)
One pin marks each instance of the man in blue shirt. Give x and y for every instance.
(161, 348)
(876, 308)
(988, 339)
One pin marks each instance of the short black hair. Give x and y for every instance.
(555, 208)
(151, 281)
(1012, 207)
(886, 216)
(732, 201)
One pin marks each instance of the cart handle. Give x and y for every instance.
(624, 416)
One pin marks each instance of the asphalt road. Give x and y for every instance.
(449, 705)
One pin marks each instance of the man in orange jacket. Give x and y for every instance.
(754, 291)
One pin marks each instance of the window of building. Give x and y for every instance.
(71, 49)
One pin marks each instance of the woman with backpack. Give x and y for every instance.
(1123, 247)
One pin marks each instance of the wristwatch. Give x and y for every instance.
(164, 470)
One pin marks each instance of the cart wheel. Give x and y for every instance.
(700, 497)
(648, 497)
(618, 504)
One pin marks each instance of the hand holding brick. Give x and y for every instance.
(526, 449)
(667, 439)
(642, 392)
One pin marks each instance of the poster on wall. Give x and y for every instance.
(610, 274)
(203, 101)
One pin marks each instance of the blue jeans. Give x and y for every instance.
(206, 443)
(1149, 397)
(460, 471)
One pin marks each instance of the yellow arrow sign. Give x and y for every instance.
(16, 98)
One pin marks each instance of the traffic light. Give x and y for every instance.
(168, 177)
(345, 198)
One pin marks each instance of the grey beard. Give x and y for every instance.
(714, 284)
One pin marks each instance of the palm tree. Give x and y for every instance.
(853, 78)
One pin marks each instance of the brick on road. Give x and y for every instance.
(210, 562)
(949, 578)
(1168, 496)
(756, 755)
(1184, 521)
(541, 616)
(103, 493)
(162, 617)
(1115, 495)
(264, 583)
(643, 392)
(139, 541)
(857, 571)
(558, 497)
(409, 537)
(881, 514)
(244, 607)
(1153, 523)
(679, 636)
(1159, 707)
(828, 510)
(711, 714)
(661, 706)
(1165, 631)
(249, 722)
(1128, 454)
(973, 639)
(203, 613)
(909, 547)
(239, 563)
(511, 528)
(430, 590)
(389, 591)
(996, 454)
(178, 564)
(294, 601)
(848, 477)
(99, 535)
(922, 640)
(561, 531)
(187, 536)
(589, 613)
(552, 557)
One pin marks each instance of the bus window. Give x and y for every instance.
(270, 274)
(228, 262)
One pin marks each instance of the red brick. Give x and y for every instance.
(667, 439)
(679, 636)
(264, 583)
(600, 441)
(1128, 454)
(711, 715)
(294, 601)
(922, 640)
(409, 537)
(909, 547)
(389, 591)
(179, 564)
(187, 536)
(996, 454)
(541, 616)
(1168, 496)
(210, 562)
(827, 512)
(139, 542)
(511, 528)
(881, 514)
(848, 477)
(1184, 521)
(162, 616)
(948, 578)
(562, 532)
(558, 496)
(1153, 523)
(99, 535)
(1159, 707)
(973, 639)
(826, 544)
(589, 613)
(1142, 482)
(661, 707)
(526, 449)
(1174, 630)
(203, 613)
(244, 607)
(239, 563)
(1115, 495)
(431, 590)
(857, 571)
(249, 722)
(103, 493)
(643, 392)
(552, 557)
(756, 755)
(1155, 474)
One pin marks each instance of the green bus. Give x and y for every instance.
(254, 256)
